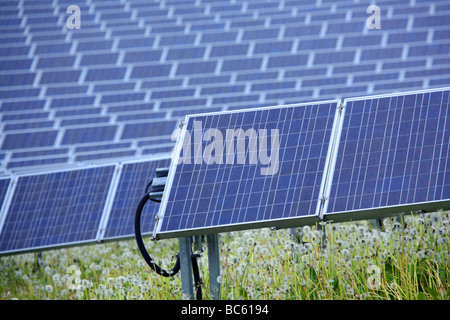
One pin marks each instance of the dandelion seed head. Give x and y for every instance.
(442, 231)
(346, 252)
(396, 227)
(306, 230)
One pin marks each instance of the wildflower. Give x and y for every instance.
(396, 227)
(442, 231)
(421, 254)
(135, 281)
(120, 280)
(302, 249)
(49, 288)
(87, 283)
(306, 230)
(110, 281)
(56, 277)
(289, 245)
(108, 292)
(234, 259)
(250, 242)
(435, 218)
(361, 230)
(48, 270)
(349, 290)
(345, 253)
(220, 279)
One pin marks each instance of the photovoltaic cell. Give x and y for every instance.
(394, 152)
(133, 179)
(55, 209)
(273, 177)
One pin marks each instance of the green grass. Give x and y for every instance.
(408, 260)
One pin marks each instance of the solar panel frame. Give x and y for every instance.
(381, 212)
(5, 202)
(277, 223)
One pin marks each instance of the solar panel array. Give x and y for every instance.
(115, 89)
(76, 206)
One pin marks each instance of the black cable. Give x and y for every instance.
(141, 246)
(197, 280)
(149, 260)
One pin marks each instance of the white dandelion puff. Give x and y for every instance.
(306, 230)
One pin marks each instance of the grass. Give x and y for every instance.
(408, 260)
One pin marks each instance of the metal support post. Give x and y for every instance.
(214, 265)
(186, 268)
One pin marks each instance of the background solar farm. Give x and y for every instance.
(106, 97)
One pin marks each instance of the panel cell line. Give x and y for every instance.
(55, 209)
(133, 180)
(393, 156)
(261, 167)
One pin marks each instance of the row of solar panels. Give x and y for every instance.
(75, 206)
(368, 156)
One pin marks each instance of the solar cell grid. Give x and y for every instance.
(55, 209)
(277, 174)
(131, 187)
(394, 152)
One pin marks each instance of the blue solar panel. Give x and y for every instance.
(394, 151)
(133, 179)
(274, 176)
(55, 209)
(29, 140)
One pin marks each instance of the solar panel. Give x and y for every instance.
(393, 155)
(134, 177)
(248, 168)
(55, 209)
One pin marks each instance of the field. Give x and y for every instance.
(407, 259)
